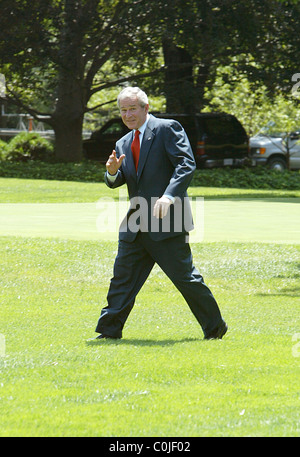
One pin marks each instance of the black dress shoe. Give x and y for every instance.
(218, 333)
(106, 337)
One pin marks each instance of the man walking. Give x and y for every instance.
(156, 162)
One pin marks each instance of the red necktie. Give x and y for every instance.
(135, 148)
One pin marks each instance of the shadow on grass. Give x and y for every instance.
(292, 292)
(140, 342)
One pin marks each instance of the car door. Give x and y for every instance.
(294, 146)
(225, 138)
(107, 137)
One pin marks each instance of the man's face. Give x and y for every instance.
(133, 114)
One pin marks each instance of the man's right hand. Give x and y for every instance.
(113, 164)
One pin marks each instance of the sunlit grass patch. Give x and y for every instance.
(161, 379)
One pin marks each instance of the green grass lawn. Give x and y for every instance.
(73, 211)
(40, 191)
(161, 379)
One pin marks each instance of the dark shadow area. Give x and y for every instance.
(287, 291)
(141, 342)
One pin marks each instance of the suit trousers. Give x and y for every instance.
(132, 267)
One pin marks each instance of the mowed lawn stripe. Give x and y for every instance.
(261, 220)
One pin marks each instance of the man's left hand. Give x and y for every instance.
(161, 207)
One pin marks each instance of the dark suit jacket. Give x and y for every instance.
(166, 166)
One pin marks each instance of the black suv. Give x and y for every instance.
(217, 139)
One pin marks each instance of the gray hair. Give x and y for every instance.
(133, 91)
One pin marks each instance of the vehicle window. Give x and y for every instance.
(114, 128)
(222, 126)
(189, 125)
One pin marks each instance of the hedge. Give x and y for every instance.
(90, 171)
(247, 178)
(87, 171)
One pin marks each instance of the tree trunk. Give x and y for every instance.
(68, 139)
(67, 119)
(179, 85)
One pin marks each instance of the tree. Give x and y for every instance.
(199, 36)
(252, 105)
(52, 52)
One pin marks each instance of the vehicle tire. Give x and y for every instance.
(277, 164)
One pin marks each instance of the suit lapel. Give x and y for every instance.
(145, 148)
(129, 163)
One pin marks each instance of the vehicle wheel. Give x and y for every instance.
(277, 164)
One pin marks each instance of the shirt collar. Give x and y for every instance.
(143, 127)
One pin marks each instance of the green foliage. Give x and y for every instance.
(89, 171)
(3, 149)
(247, 178)
(83, 171)
(251, 103)
(56, 56)
(28, 146)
